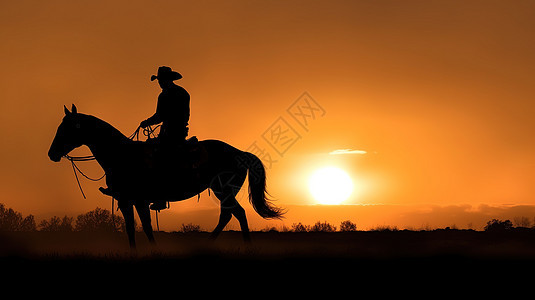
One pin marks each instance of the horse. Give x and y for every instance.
(140, 173)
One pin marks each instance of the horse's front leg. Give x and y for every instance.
(144, 215)
(128, 214)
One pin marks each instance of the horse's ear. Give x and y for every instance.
(67, 112)
(74, 109)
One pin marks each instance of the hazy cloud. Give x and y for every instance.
(347, 151)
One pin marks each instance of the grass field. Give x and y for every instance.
(318, 256)
(382, 245)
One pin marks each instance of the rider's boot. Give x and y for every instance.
(106, 191)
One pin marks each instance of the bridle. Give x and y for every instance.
(148, 131)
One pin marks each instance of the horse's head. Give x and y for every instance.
(68, 135)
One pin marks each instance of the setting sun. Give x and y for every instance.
(330, 185)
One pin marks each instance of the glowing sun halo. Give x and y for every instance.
(330, 185)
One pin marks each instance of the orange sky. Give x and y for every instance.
(439, 93)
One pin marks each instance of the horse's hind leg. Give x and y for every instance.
(225, 187)
(144, 215)
(224, 218)
(239, 213)
(229, 207)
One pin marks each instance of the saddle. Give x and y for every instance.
(189, 154)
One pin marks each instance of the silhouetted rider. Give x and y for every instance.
(172, 109)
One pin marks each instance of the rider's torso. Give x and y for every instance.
(173, 106)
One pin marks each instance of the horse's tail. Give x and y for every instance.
(258, 196)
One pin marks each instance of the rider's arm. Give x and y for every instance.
(154, 119)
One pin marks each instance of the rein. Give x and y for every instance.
(148, 132)
(75, 169)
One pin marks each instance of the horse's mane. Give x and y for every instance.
(105, 129)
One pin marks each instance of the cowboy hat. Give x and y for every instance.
(165, 73)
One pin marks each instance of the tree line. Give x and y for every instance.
(103, 220)
(345, 226)
(96, 220)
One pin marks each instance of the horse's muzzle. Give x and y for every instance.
(54, 157)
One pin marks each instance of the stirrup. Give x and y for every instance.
(159, 205)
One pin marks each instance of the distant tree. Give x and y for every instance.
(523, 222)
(284, 228)
(28, 224)
(99, 220)
(57, 224)
(50, 225)
(270, 229)
(348, 226)
(66, 224)
(470, 225)
(298, 227)
(385, 228)
(323, 227)
(11, 220)
(496, 225)
(190, 228)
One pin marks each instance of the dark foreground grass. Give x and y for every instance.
(320, 258)
(273, 245)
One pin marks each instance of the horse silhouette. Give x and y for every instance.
(139, 173)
